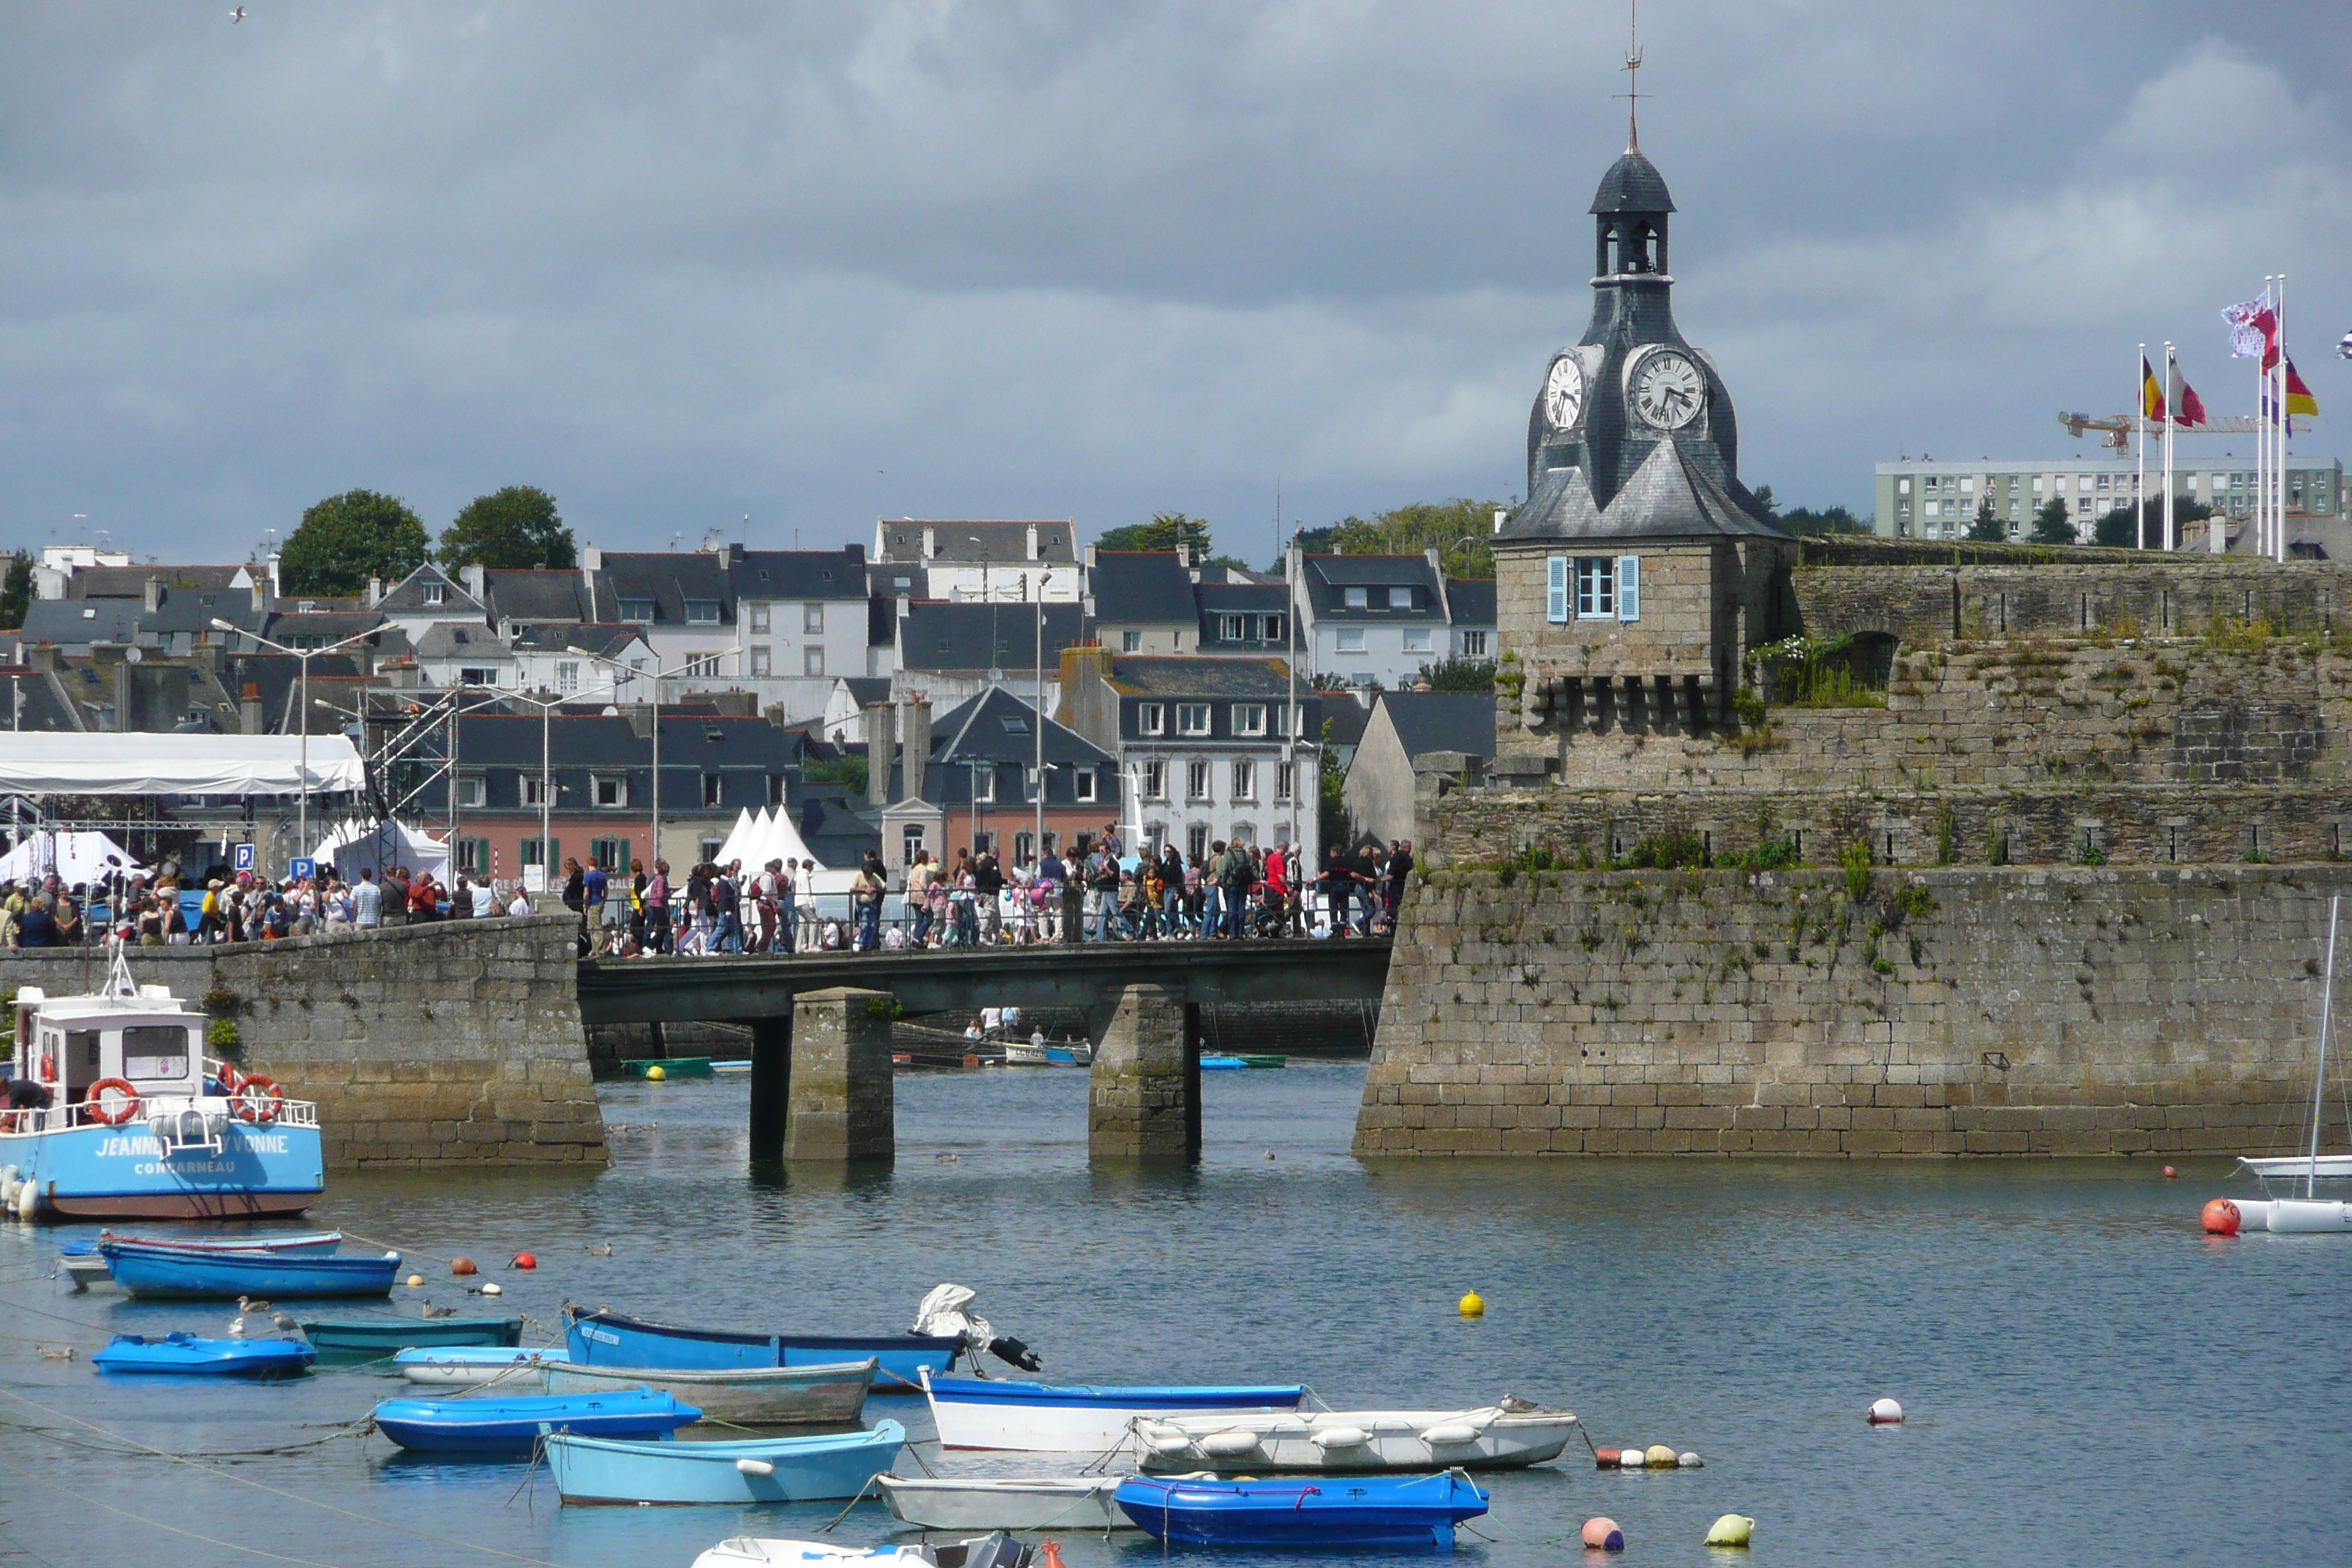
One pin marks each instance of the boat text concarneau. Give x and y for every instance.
(139, 1124)
(1072, 1418)
(1509, 1435)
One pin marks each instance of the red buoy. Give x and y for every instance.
(2169, 1173)
(1605, 1458)
(462, 1266)
(525, 1260)
(2221, 1217)
(1603, 1534)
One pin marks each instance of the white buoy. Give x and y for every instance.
(1885, 1413)
(1690, 1461)
(493, 1288)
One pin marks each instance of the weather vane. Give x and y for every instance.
(1633, 93)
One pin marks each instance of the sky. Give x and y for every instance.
(768, 270)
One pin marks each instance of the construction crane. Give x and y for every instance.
(2117, 428)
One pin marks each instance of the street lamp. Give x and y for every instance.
(547, 707)
(653, 844)
(304, 654)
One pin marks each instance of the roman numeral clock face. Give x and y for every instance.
(1563, 395)
(1668, 390)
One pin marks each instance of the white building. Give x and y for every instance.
(984, 560)
(1926, 498)
(1367, 620)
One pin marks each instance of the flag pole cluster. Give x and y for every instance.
(2258, 332)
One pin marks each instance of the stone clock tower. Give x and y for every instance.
(1639, 570)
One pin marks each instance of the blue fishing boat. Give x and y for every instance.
(480, 1425)
(185, 1354)
(138, 1123)
(1352, 1510)
(385, 1336)
(198, 1273)
(832, 1467)
(1080, 1418)
(602, 1338)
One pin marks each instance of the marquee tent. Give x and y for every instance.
(764, 835)
(75, 857)
(69, 763)
(358, 844)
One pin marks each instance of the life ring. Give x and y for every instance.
(96, 1108)
(229, 1078)
(258, 1098)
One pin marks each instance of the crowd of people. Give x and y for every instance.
(164, 908)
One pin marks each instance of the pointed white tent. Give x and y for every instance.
(363, 843)
(737, 846)
(75, 857)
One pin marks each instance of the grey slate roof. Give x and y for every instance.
(451, 639)
(1187, 675)
(798, 574)
(1667, 497)
(864, 690)
(1346, 716)
(669, 579)
(541, 594)
(1441, 721)
(408, 593)
(974, 732)
(1473, 599)
(1325, 579)
(889, 579)
(940, 634)
(1146, 587)
(1000, 541)
(607, 638)
(130, 582)
(1633, 184)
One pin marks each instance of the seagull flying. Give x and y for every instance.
(236, 16)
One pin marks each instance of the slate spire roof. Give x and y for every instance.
(1633, 184)
(1667, 497)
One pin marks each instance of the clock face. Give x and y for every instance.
(1669, 390)
(1563, 396)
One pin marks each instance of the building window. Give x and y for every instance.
(813, 619)
(1084, 781)
(1155, 781)
(474, 856)
(1244, 779)
(1359, 598)
(1196, 841)
(1474, 645)
(1399, 598)
(609, 854)
(1285, 780)
(473, 790)
(542, 851)
(910, 842)
(702, 612)
(1555, 589)
(1596, 588)
(710, 849)
(1196, 780)
(1276, 628)
(779, 790)
(1151, 719)
(1249, 718)
(435, 594)
(983, 784)
(1351, 639)
(1230, 628)
(532, 789)
(567, 675)
(1025, 849)
(638, 610)
(1191, 718)
(702, 667)
(1416, 640)
(760, 619)
(1130, 642)
(612, 789)
(811, 662)
(480, 675)
(759, 661)
(714, 790)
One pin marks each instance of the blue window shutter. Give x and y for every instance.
(1555, 589)
(1629, 587)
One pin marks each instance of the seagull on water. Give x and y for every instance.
(432, 1311)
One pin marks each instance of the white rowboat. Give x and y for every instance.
(1044, 1502)
(1498, 1436)
(471, 1366)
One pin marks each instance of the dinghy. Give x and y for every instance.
(604, 1338)
(185, 1354)
(1040, 1502)
(1361, 1510)
(384, 1336)
(822, 1395)
(1220, 1062)
(998, 1551)
(322, 1241)
(1509, 1435)
(202, 1274)
(833, 1468)
(471, 1366)
(480, 1425)
(1072, 1418)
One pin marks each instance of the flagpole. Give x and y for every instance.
(2139, 446)
(2278, 377)
(2171, 393)
(2261, 518)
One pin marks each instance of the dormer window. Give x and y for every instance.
(1399, 598)
(1360, 598)
(702, 612)
(435, 594)
(638, 610)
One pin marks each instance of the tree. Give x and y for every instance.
(2051, 524)
(17, 592)
(345, 539)
(1460, 674)
(508, 529)
(1988, 529)
(1166, 530)
(2119, 528)
(1804, 520)
(1459, 531)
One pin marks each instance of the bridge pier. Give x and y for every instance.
(1143, 1102)
(841, 1105)
(772, 1086)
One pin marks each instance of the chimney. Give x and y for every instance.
(641, 721)
(931, 544)
(248, 711)
(1091, 549)
(1032, 541)
(914, 753)
(151, 595)
(261, 596)
(878, 747)
(374, 592)
(591, 559)
(470, 574)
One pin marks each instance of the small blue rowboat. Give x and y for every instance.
(608, 1339)
(1345, 1511)
(1221, 1064)
(1076, 1418)
(186, 1355)
(386, 1336)
(240, 1241)
(833, 1468)
(513, 1425)
(146, 1269)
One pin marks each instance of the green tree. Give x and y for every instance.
(1804, 520)
(1460, 674)
(508, 529)
(1166, 531)
(345, 539)
(17, 591)
(1460, 531)
(2052, 525)
(2119, 528)
(1988, 529)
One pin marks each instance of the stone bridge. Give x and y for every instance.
(821, 1073)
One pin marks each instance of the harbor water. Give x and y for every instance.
(2089, 1379)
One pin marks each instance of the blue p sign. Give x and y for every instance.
(303, 866)
(244, 861)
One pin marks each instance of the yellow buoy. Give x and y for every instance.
(1658, 1454)
(1731, 1529)
(654, 1075)
(1473, 1305)
(414, 1281)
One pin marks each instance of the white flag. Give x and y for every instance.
(2246, 331)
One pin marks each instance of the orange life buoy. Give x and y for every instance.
(92, 1103)
(229, 1080)
(258, 1098)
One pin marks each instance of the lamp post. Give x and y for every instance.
(547, 707)
(625, 675)
(303, 655)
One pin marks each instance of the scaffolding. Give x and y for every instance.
(408, 741)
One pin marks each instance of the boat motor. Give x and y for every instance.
(943, 1314)
(1012, 1352)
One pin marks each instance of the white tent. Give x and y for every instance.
(70, 764)
(761, 837)
(75, 857)
(357, 844)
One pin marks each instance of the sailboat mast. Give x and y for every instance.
(2319, 1077)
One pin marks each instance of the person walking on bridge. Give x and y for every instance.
(865, 893)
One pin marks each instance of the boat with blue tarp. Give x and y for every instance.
(610, 1339)
(836, 1467)
(487, 1425)
(1356, 1511)
(145, 1268)
(115, 1112)
(188, 1355)
(1078, 1419)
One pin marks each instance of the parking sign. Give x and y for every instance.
(244, 861)
(303, 866)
